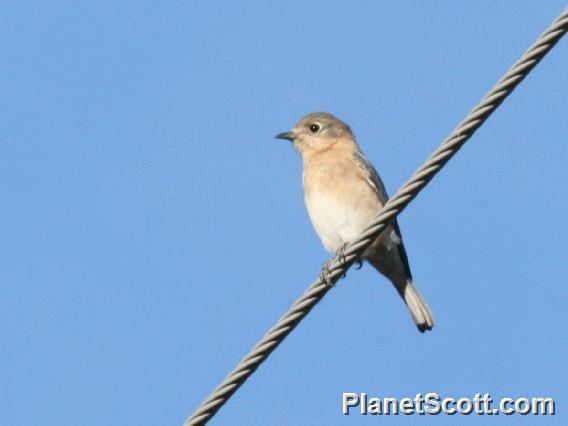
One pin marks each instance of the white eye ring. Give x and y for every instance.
(314, 128)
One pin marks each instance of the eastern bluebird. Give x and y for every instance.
(343, 192)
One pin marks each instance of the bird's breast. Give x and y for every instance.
(339, 201)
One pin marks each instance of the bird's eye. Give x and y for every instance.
(314, 128)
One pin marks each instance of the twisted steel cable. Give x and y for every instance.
(340, 264)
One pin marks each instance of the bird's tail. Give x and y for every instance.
(419, 309)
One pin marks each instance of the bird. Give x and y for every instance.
(343, 192)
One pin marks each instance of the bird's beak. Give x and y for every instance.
(285, 135)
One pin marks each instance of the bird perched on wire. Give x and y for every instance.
(343, 192)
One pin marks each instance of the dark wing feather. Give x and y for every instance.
(379, 187)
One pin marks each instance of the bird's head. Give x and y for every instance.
(317, 131)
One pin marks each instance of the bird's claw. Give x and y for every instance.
(325, 274)
(342, 257)
(340, 254)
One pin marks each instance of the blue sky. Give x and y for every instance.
(152, 229)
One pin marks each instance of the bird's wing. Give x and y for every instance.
(374, 180)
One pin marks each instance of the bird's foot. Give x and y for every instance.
(325, 274)
(342, 257)
(340, 254)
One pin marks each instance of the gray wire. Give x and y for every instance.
(337, 267)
